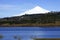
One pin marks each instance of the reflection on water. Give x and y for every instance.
(28, 33)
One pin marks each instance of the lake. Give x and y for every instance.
(28, 33)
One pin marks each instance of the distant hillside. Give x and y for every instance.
(51, 18)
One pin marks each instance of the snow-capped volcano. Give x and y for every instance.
(35, 10)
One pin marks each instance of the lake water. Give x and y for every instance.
(28, 33)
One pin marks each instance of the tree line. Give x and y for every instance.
(51, 17)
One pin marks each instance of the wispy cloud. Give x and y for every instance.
(8, 7)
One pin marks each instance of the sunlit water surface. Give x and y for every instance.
(29, 33)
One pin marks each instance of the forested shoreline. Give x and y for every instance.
(46, 19)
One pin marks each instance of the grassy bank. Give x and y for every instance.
(31, 25)
(48, 39)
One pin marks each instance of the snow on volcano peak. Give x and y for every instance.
(36, 10)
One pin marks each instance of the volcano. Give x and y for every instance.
(35, 10)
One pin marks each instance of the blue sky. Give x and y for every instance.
(14, 7)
